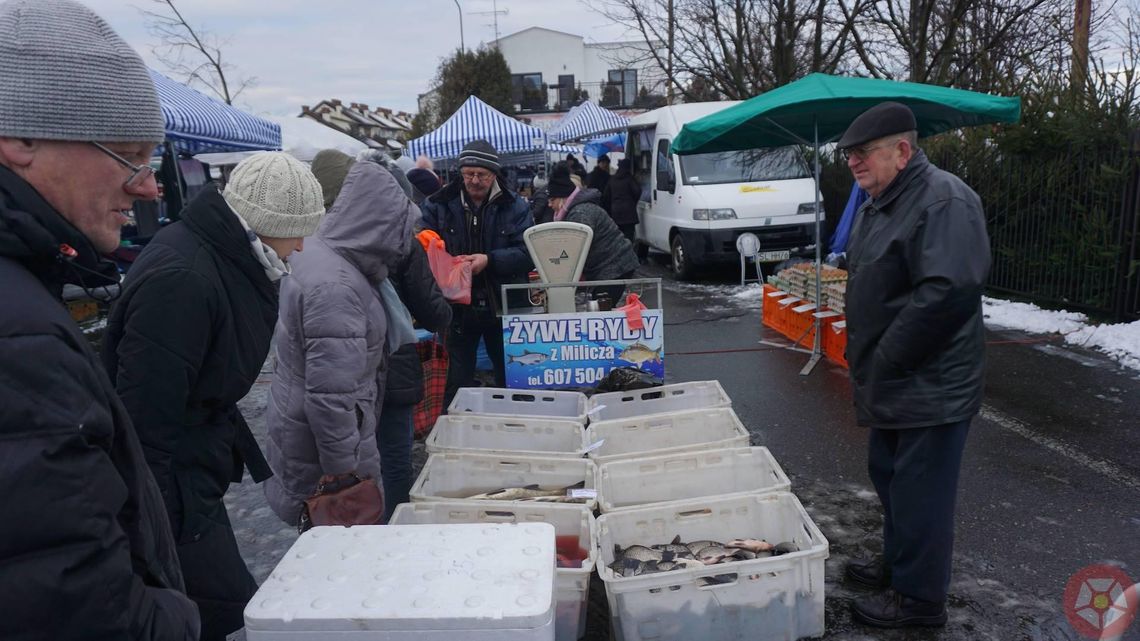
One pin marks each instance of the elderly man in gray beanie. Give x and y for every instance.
(86, 548)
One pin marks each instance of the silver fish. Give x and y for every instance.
(528, 358)
(527, 493)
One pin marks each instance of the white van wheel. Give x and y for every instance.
(682, 266)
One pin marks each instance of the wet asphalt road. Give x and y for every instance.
(1050, 480)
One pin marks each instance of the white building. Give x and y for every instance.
(552, 71)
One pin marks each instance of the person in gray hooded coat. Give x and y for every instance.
(331, 336)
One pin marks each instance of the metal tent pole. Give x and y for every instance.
(816, 352)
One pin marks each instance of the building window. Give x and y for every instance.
(623, 86)
(527, 91)
(566, 91)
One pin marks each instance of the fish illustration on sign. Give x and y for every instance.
(528, 358)
(639, 354)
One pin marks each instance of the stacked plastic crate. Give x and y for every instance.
(674, 463)
(789, 308)
(526, 442)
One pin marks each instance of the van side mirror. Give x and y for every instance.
(665, 181)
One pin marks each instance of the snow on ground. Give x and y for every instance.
(1121, 341)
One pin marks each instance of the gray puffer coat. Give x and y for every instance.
(611, 256)
(328, 384)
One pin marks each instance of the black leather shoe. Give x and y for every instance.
(868, 573)
(889, 609)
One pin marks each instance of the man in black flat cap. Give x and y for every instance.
(480, 219)
(917, 258)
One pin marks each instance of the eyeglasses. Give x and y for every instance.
(139, 173)
(861, 153)
(473, 177)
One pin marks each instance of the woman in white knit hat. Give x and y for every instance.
(188, 339)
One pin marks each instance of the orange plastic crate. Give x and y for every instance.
(835, 342)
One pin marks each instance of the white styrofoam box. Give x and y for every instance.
(771, 599)
(494, 401)
(571, 585)
(633, 482)
(693, 395)
(504, 434)
(659, 434)
(450, 476)
(437, 582)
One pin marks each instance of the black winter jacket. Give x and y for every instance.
(598, 179)
(85, 549)
(611, 256)
(917, 260)
(419, 292)
(184, 344)
(620, 198)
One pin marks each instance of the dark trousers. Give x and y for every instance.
(217, 579)
(394, 437)
(630, 232)
(467, 327)
(915, 472)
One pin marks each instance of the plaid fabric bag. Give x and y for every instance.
(433, 359)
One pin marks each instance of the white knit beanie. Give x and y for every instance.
(276, 195)
(66, 75)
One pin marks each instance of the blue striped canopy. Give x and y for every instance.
(476, 120)
(196, 123)
(585, 119)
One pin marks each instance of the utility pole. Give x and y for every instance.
(1078, 75)
(495, 13)
(462, 47)
(669, 60)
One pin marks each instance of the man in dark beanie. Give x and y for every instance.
(917, 258)
(599, 177)
(86, 548)
(480, 219)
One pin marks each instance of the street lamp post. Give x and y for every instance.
(461, 45)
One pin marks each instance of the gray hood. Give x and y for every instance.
(372, 221)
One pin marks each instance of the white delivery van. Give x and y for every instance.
(694, 207)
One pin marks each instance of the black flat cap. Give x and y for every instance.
(883, 119)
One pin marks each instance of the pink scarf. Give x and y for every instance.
(561, 213)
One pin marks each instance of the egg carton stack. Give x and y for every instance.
(674, 467)
(835, 295)
(799, 280)
(516, 456)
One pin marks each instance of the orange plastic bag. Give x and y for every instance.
(452, 274)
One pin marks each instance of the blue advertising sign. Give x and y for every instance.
(551, 351)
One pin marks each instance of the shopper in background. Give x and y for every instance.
(85, 547)
(332, 342)
(918, 257)
(413, 291)
(620, 200)
(600, 176)
(479, 218)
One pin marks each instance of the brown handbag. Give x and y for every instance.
(343, 500)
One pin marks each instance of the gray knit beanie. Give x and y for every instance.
(66, 75)
(276, 195)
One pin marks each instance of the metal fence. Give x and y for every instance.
(1064, 227)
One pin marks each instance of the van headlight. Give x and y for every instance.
(808, 209)
(714, 214)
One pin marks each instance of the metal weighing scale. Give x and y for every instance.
(559, 252)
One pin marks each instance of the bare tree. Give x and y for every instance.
(193, 53)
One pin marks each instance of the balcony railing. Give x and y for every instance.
(612, 95)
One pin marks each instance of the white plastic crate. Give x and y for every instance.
(677, 397)
(494, 401)
(447, 477)
(660, 434)
(410, 582)
(772, 599)
(571, 585)
(503, 434)
(634, 482)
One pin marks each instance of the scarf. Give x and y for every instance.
(565, 208)
(274, 267)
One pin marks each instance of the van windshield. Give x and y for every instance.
(748, 165)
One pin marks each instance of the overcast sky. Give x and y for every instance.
(378, 52)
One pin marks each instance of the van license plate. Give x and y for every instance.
(771, 257)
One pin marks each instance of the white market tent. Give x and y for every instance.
(585, 119)
(475, 120)
(301, 137)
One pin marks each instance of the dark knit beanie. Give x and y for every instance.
(560, 185)
(66, 75)
(424, 181)
(479, 153)
(330, 167)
